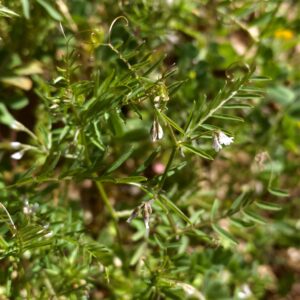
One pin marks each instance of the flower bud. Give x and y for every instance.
(17, 155)
(157, 132)
(15, 145)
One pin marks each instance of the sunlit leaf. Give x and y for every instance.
(278, 192)
(224, 234)
(169, 204)
(196, 151)
(268, 206)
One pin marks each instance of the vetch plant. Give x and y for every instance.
(114, 188)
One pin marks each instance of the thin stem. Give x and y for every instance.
(170, 161)
(109, 207)
(112, 25)
(262, 33)
(50, 288)
(207, 223)
(87, 158)
(213, 110)
(106, 200)
(240, 24)
(171, 157)
(172, 223)
(126, 62)
(173, 135)
(102, 192)
(10, 219)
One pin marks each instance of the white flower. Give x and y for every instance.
(117, 262)
(216, 144)
(219, 139)
(245, 292)
(190, 290)
(15, 145)
(170, 2)
(54, 106)
(17, 155)
(157, 132)
(17, 125)
(49, 234)
(160, 132)
(224, 139)
(26, 208)
(147, 211)
(147, 226)
(156, 101)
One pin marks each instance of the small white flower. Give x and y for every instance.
(49, 234)
(245, 292)
(224, 139)
(156, 101)
(219, 139)
(170, 2)
(216, 144)
(17, 125)
(14, 125)
(173, 38)
(190, 290)
(147, 211)
(54, 106)
(27, 210)
(147, 226)
(15, 145)
(17, 155)
(117, 262)
(160, 132)
(157, 132)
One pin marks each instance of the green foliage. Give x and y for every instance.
(179, 117)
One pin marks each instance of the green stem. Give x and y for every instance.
(109, 207)
(172, 223)
(262, 33)
(207, 223)
(210, 112)
(106, 200)
(102, 192)
(50, 288)
(171, 158)
(170, 161)
(123, 59)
